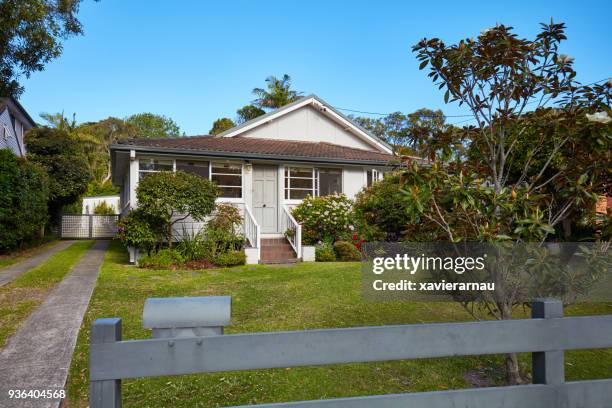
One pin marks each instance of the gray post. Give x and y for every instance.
(547, 367)
(106, 393)
(90, 226)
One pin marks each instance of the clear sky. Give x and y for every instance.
(196, 61)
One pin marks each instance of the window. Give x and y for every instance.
(330, 181)
(146, 166)
(228, 177)
(299, 182)
(199, 168)
(372, 176)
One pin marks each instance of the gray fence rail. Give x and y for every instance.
(88, 226)
(546, 335)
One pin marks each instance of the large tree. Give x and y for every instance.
(221, 125)
(64, 162)
(278, 93)
(31, 34)
(152, 126)
(538, 153)
(248, 112)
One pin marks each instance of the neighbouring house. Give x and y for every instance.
(265, 166)
(14, 122)
(90, 203)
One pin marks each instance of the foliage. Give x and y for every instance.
(248, 112)
(277, 94)
(32, 31)
(23, 200)
(152, 126)
(230, 258)
(104, 209)
(519, 175)
(221, 233)
(137, 229)
(96, 188)
(63, 161)
(346, 251)
(324, 252)
(407, 133)
(175, 196)
(192, 246)
(323, 219)
(221, 125)
(163, 259)
(381, 211)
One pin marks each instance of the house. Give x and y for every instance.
(14, 122)
(265, 166)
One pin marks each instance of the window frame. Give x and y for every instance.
(316, 182)
(241, 175)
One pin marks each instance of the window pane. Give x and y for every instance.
(301, 183)
(230, 192)
(155, 165)
(330, 181)
(199, 168)
(369, 182)
(299, 194)
(297, 172)
(227, 180)
(227, 168)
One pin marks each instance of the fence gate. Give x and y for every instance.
(89, 226)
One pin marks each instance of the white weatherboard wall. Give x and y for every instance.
(309, 125)
(90, 203)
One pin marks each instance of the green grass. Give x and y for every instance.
(19, 255)
(272, 298)
(19, 298)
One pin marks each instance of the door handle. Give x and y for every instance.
(264, 206)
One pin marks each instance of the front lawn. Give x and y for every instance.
(273, 298)
(19, 255)
(20, 297)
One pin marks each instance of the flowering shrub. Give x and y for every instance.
(324, 219)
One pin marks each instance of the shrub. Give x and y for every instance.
(162, 259)
(104, 209)
(325, 253)
(230, 258)
(221, 232)
(23, 200)
(192, 246)
(381, 211)
(323, 219)
(346, 251)
(137, 230)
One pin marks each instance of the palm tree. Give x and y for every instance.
(279, 93)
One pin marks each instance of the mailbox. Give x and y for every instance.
(187, 316)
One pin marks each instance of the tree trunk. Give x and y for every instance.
(170, 235)
(513, 374)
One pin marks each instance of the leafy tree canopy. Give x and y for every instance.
(278, 93)
(249, 112)
(221, 125)
(31, 36)
(152, 126)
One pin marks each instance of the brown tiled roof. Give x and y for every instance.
(262, 147)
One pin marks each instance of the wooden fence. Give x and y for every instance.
(546, 336)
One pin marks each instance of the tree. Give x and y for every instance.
(538, 154)
(63, 161)
(277, 94)
(24, 190)
(221, 125)
(175, 196)
(31, 36)
(152, 126)
(248, 112)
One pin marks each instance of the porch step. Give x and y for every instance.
(276, 250)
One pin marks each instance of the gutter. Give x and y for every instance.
(241, 155)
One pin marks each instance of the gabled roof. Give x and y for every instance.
(13, 105)
(258, 148)
(324, 108)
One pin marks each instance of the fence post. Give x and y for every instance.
(90, 226)
(547, 367)
(106, 393)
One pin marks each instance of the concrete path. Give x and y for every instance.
(38, 356)
(13, 271)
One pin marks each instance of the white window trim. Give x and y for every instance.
(316, 182)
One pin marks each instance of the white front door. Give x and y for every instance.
(265, 197)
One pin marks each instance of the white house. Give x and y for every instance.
(14, 122)
(265, 166)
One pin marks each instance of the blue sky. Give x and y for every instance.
(196, 61)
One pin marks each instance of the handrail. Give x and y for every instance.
(252, 229)
(295, 235)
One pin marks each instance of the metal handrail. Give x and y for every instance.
(295, 238)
